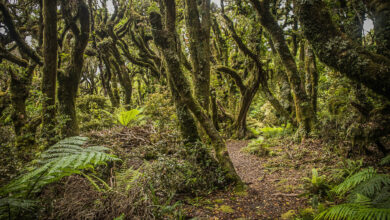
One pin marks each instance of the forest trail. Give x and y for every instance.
(248, 167)
(275, 183)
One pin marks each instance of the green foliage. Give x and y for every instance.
(276, 132)
(385, 160)
(127, 117)
(369, 194)
(316, 185)
(354, 211)
(65, 158)
(349, 167)
(258, 147)
(354, 180)
(92, 113)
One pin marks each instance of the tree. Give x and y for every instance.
(338, 51)
(69, 79)
(165, 37)
(303, 109)
(50, 47)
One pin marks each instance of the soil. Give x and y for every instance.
(275, 183)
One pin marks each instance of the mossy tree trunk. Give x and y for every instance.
(340, 52)
(49, 76)
(198, 24)
(380, 10)
(249, 91)
(188, 129)
(68, 80)
(165, 37)
(20, 89)
(105, 77)
(312, 77)
(304, 112)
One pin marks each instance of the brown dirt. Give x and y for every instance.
(275, 183)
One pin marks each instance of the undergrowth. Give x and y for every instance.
(65, 158)
(355, 192)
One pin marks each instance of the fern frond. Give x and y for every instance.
(385, 160)
(65, 158)
(382, 199)
(372, 186)
(354, 180)
(15, 202)
(354, 211)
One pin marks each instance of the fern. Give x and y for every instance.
(354, 180)
(354, 211)
(372, 186)
(65, 158)
(385, 160)
(369, 197)
(12, 203)
(125, 117)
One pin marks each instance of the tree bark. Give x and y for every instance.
(198, 25)
(381, 12)
(68, 81)
(304, 112)
(49, 76)
(166, 39)
(338, 51)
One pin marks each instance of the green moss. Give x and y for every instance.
(288, 215)
(226, 209)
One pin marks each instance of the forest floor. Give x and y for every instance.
(275, 183)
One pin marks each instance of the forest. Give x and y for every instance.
(195, 109)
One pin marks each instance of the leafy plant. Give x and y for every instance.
(349, 168)
(316, 185)
(126, 117)
(369, 197)
(385, 160)
(355, 211)
(354, 180)
(258, 148)
(65, 158)
(275, 132)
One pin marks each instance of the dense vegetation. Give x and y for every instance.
(164, 109)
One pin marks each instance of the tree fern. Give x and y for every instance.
(125, 117)
(65, 158)
(369, 194)
(354, 180)
(354, 211)
(372, 186)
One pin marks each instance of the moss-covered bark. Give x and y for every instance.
(249, 91)
(380, 9)
(338, 51)
(304, 112)
(105, 77)
(49, 76)
(68, 80)
(198, 25)
(312, 78)
(166, 39)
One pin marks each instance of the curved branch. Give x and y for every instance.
(24, 47)
(339, 52)
(5, 54)
(234, 74)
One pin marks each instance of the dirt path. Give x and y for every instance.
(248, 167)
(274, 183)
